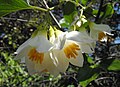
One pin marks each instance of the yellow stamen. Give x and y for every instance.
(101, 36)
(71, 50)
(35, 56)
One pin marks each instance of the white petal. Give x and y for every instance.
(94, 34)
(63, 61)
(79, 37)
(60, 41)
(22, 54)
(102, 27)
(78, 61)
(86, 47)
(39, 68)
(25, 44)
(50, 66)
(96, 28)
(54, 58)
(41, 43)
(47, 64)
(30, 66)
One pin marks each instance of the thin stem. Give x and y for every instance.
(38, 8)
(81, 13)
(89, 5)
(77, 4)
(51, 14)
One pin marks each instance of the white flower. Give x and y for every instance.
(35, 51)
(54, 56)
(68, 48)
(70, 53)
(63, 52)
(97, 30)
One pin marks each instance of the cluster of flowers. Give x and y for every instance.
(54, 55)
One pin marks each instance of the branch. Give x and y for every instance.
(51, 14)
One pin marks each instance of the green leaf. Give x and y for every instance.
(111, 64)
(8, 6)
(68, 8)
(90, 60)
(88, 12)
(106, 63)
(108, 11)
(69, 13)
(70, 18)
(95, 12)
(77, 1)
(84, 2)
(86, 82)
(87, 74)
(115, 65)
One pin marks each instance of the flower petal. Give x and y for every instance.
(75, 49)
(63, 61)
(86, 47)
(25, 44)
(60, 41)
(96, 28)
(94, 34)
(41, 43)
(22, 54)
(30, 66)
(46, 65)
(79, 37)
(78, 61)
(102, 27)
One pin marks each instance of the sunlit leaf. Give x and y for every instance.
(8, 6)
(86, 82)
(115, 65)
(94, 12)
(108, 11)
(86, 72)
(106, 63)
(84, 2)
(90, 60)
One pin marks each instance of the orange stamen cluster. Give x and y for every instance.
(36, 56)
(101, 36)
(71, 50)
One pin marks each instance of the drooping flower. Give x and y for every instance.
(97, 31)
(54, 56)
(65, 50)
(36, 51)
(70, 50)
(38, 56)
